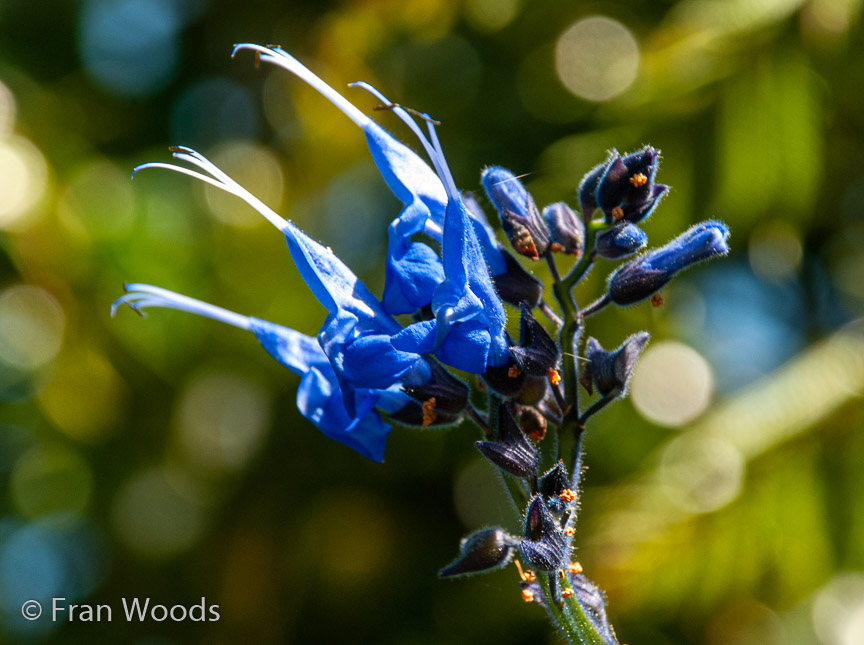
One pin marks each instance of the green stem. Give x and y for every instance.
(570, 617)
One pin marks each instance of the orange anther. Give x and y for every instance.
(567, 592)
(568, 494)
(429, 414)
(514, 371)
(657, 300)
(569, 531)
(527, 595)
(553, 376)
(638, 179)
(617, 212)
(574, 568)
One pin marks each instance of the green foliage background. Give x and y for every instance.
(165, 458)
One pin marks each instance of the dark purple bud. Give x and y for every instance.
(566, 229)
(554, 482)
(544, 546)
(483, 550)
(516, 286)
(620, 241)
(520, 218)
(647, 274)
(536, 353)
(590, 182)
(450, 394)
(627, 189)
(513, 452)
(593, 603)
(610, 371)
(506, 380)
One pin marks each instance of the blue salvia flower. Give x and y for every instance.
(319, 397)
(468, 331)
(355, 338)
(647, 274)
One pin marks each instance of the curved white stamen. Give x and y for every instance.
(218, 179)
(283, 59)
(141, 296)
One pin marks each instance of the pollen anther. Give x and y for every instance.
(638, 179)
(568, 494)
(553, 376)
(429, 414)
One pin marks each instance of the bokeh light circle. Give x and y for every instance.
(31, 327)
(597, 58)
(672, 384)
(701, 473)
(23, 178)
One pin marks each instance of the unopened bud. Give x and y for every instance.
(483, 550)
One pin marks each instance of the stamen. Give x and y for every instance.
(575, 568)
(447, 176)
(142, 296)
(567, 592)
(283, 59)
(219, 179)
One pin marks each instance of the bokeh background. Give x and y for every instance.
(164, 458)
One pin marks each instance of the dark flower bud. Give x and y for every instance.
(590, 182)
(520, 218)
(544, 546)
(536, 353)
(516, 286)
(554, 482)
(627, 189)
(647, 274)
(620, 241)
(566, 229)
(532, 423)
(451, 394)
(610, 371)
(439, 401)
(513, 452)
(534, 390)
(506, 380)
(483, 550)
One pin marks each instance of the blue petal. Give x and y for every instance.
(468, 293)
(413, 269)
(298, 352)
(407, 175)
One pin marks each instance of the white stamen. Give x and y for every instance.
(286, 61)
(141, 296)
(218, 179)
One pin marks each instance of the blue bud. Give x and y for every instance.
(520, 218)
(647, 274)
(566, 229)
(620, 241)
(483, 550)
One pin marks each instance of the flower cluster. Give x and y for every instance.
(446, 268)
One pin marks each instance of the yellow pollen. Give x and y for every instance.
(567, 592)
(617, 212)
(639, 179)
(527, 595)
(530, 576)
(574, 568)
(568, 494)
(429, 414)
(554, 376)
(514, 371)
(569, 531)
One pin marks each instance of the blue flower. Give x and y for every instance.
(319, 397)
(647, 274)
(468, 331)
(356, 335)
